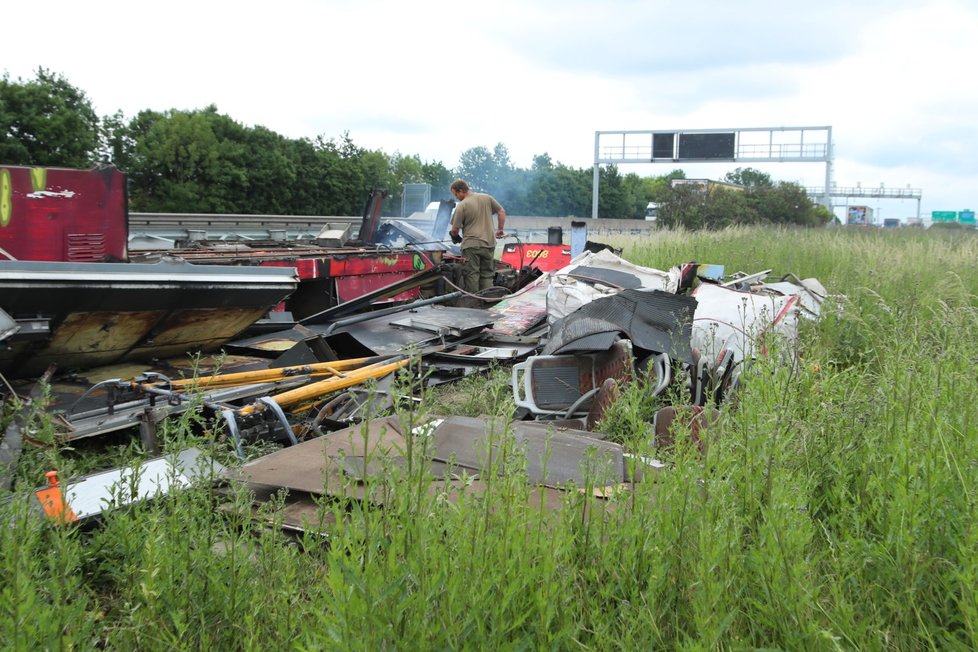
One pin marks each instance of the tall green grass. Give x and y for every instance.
(834, 509)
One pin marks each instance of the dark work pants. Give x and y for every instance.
(479, 269)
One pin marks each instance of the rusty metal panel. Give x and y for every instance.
(100, 313)
(83, 339)
(88, 339)
(205, 327)
(309, 467)
(553, 456)
(351, 463)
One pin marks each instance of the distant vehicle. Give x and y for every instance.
(891, 223)
(651, 212)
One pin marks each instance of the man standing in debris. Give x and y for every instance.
(473, 216)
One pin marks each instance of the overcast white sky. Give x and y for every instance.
(893, 78)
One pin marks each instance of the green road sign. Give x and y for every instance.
(966, 217)
(943, 216)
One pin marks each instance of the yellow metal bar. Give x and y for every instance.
(335, 368)
(323, 387)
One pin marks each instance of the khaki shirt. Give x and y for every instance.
(473, 216)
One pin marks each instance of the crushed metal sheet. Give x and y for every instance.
(308, 466)
(375, 336)
(740, 321)
(569, 290)
(378, 336)
(551, 456)
(653, 321)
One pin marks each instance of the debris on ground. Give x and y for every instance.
(296, 347)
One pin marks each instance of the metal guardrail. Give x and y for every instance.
(203, 220)
(166, 230)
(154, 231)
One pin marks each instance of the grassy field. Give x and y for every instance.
(836, 508)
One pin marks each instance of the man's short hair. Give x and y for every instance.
(460, 186)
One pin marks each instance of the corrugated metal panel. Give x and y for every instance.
(85, 247)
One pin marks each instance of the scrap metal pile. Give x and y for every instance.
(324, 390)
(316, 377)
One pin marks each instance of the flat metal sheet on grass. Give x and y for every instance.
(310, 466)
(552, 456)
(338, 463)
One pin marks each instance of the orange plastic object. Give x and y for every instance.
(52, 501)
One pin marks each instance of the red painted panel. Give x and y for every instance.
(307, 268)
(63, 214)
(377, 263)
(352, 287)
(545, 257)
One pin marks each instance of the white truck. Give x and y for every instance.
(651, 212)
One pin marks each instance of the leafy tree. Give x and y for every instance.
(787, 203)
(682, 206)
(402, 169)
(493, 172)
(636, 195)
(553, 189)
(725, 207)
(478, 168)
(613, 200)
(749, 178)
(377, 175)
(184, 161)
(270, 172)
(46, 121)
(411, 169)
(695, 207)
(659, 187)
(406, 169)
(343, 178)
(440, 179)
(487, 171)
(115, 140)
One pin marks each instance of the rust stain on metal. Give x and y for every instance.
(88, 339)
(201, 327)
